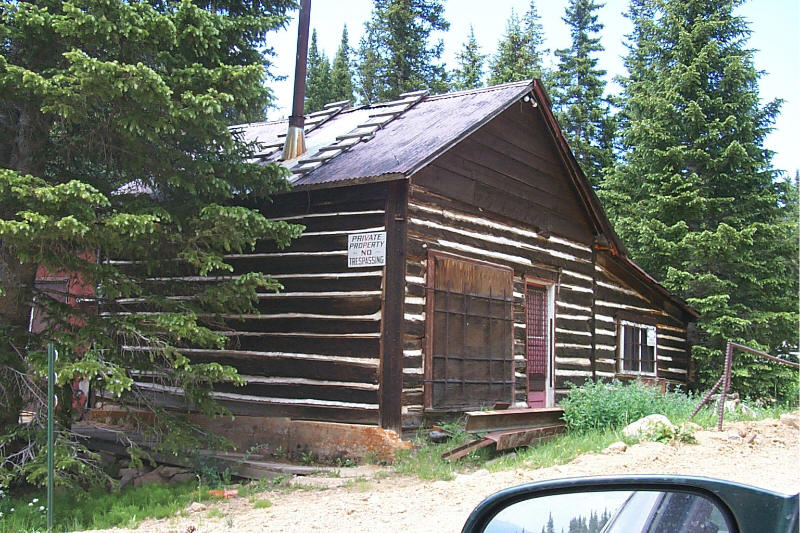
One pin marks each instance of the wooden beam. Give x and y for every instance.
(392, 325)
(479, 421)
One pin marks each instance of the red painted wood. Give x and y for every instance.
(536, 344)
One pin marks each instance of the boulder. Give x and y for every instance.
(791, 420)
(183, 478)
(691, 426)
(651, 427)
(617, 447)
(150, 477)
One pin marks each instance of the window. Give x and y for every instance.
(469, 353)
(637, 348)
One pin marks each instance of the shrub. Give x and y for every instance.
(599, 405)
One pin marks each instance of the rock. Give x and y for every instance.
(196, 507)
(734, 435)
(650, 427)
(692, 426)
(149, 478)
(171, 471)
(617, 447)
(182, 478)
(127, 477)
(791, 420)
(438, 436)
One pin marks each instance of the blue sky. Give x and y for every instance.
(774, 25)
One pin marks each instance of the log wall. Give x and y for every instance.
(313, 350)
(343, 344)
(502, 196)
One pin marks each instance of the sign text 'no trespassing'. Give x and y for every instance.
(366, 249)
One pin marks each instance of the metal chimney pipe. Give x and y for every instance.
(295, 145)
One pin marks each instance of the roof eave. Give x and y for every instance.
(592, 203)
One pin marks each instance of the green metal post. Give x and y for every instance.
(51, 360)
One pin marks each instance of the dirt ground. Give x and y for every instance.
(765, 454)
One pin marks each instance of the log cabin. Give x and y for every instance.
(455, 257)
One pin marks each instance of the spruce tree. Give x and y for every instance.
(577, 92)
(318, 78)
(115, 143)
(469, 73)
(520, 51)
(395, 55)
(341, 85)
(695, 196)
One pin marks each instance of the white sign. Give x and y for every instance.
(366, 249)
(651, 336)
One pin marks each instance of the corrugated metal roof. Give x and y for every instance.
(390, 138)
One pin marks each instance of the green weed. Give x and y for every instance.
(97, 508)
(262, 504)
(215, 513)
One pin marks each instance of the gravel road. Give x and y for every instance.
(391, 503)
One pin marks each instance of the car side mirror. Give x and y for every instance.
(635, 504)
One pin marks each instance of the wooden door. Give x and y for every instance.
(537, 343)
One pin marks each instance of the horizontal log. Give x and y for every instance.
(426, 197)
(329, 392)
(292, 364)
(315, 222)
(368, 347)
(264, 324)
(348, 198)
(266, 407)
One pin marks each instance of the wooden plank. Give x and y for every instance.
(392, 325)
(478, 421)
(518, 438)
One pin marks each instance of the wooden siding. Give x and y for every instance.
(439, 224)
(615, 301)
(502, 196)
(313, 350)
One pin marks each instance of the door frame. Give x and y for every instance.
(549, 383)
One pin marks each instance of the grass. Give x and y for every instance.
(262, 504)
(97, 508)
(100, 509)
(215, 513)
(595, 415)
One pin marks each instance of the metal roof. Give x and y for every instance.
(390, 138)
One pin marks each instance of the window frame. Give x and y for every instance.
(430, 319)
(622, 324)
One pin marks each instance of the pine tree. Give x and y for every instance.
(395, 55)
(469, 74)
(342, 72)
(577, 92)
(520, 51)
(94, 96)
(318, 78)
(696, 198)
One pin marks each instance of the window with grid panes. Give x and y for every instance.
(470, 327)
(637, 348)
